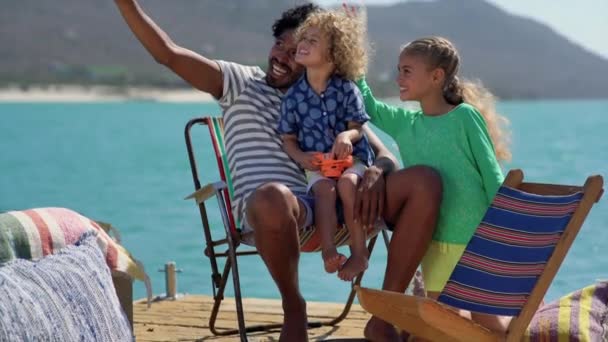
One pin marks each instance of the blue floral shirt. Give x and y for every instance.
(316, 119)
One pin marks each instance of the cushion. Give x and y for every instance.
(68, 296)
(578, 316)
(35, 233)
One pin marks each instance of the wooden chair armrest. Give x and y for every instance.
(451, 323)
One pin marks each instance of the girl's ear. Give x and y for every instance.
(438, 75)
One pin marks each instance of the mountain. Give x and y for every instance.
(87, 42)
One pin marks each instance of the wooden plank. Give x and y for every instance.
(187, 319)
(253, 306)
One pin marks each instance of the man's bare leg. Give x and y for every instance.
(413, 197)
(275, 215)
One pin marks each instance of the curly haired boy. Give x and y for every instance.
(324, 112)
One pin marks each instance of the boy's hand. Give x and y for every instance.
(306, 161)
(343, 147)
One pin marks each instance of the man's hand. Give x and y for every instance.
(306, 161)
(343, 147)
(200, 72)
(369, 200)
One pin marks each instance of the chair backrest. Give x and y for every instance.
(518, 247)
(216, 132)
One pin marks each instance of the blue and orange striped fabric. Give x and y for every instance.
(508, 251)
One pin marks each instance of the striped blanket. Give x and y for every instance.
(67, 296)
(578, 316)
(35, 233)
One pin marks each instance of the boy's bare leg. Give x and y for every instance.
(326, 222)
(358, 261)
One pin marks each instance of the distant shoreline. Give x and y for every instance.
(72, 93)
(103, 93)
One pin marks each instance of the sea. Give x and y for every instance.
(126, 163)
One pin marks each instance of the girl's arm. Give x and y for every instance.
(483, 152)
(382, 115)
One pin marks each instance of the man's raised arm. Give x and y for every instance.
(200, 72)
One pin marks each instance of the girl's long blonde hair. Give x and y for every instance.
(347, 38)
(441, 53)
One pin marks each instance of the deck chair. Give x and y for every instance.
(223, 190)
(506, 268)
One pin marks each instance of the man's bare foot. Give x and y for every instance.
(352, 267)
(295, 324)
(378, 330)
(332, 260)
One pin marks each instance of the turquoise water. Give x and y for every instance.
(126, 163)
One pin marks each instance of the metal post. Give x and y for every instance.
(170, 280)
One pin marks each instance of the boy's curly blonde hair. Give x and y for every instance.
(347, 40)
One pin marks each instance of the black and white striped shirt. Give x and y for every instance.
(251, 111)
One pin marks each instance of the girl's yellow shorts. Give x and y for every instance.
(438, 263)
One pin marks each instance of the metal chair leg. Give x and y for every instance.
(243, 330)
(237, 289)
(218, 297)
(386, 239)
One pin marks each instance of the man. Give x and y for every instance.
(270, 188)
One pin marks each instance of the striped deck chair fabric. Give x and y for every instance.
(309, 239)
(508, 252)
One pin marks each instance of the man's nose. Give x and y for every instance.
(283, 57)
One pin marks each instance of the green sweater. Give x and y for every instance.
(458, 146)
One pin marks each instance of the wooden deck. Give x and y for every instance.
(187, 319)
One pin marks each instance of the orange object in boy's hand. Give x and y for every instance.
(330, 167)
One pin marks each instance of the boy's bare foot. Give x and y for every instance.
(332, 260)
(352, 267)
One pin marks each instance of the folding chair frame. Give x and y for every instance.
(232, 240)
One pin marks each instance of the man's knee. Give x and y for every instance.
(428, 181)
(271, 205)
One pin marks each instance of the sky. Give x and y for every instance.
(583, 21)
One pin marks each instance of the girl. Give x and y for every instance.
(457, 132)
(324, 112)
